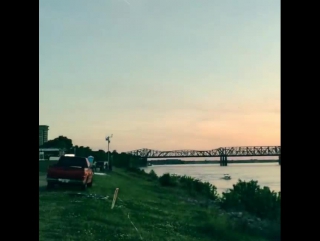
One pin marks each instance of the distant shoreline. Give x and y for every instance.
(181, 162)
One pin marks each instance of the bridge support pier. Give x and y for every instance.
(279, 160)
(223, 160)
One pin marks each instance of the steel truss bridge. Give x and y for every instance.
(222, 152)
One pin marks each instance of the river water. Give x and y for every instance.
(267, 174)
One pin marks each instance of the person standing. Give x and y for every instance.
(90, 159)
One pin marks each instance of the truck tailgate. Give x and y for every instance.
(66, 172)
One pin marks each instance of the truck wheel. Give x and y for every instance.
(84, 186)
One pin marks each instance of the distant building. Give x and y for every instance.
(52, 154)
(43, 134)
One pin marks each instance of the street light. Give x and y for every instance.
(108, 140)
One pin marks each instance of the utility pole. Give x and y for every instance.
(108, 140)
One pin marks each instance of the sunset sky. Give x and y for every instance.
(160, 74)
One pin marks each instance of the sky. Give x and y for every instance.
(160, 74)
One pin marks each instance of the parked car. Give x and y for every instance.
(102, 165)
(71, 170)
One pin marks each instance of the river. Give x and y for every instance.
(267, 174)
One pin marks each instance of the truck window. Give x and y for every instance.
(66, 161)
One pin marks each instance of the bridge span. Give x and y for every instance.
(222, 152)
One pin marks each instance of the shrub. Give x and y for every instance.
(136, 170)
(153, 175)
(186, 182)
(192, 185)
(168, 180)
(210, 191)
(195, 185)
(250, 197)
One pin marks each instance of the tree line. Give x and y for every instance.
(121, 160)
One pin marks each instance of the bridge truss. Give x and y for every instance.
(240, 151)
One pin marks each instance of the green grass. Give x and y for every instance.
(158, 213)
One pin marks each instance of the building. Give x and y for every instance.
(52, 154)
(43, 134)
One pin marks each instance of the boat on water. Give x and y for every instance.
(226, 177)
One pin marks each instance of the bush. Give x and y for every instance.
(192, 185)
(168, 180)
(136, 170)
(195, 185)
(153, 175)
(250, 197)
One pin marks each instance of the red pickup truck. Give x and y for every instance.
(70, 170)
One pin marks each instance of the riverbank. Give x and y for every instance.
(145, 210)
(267, 174)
